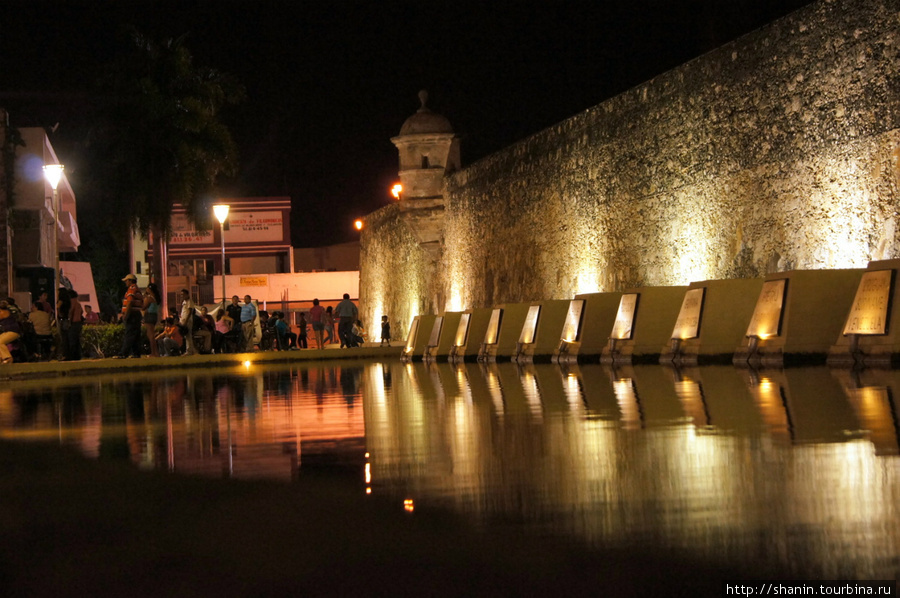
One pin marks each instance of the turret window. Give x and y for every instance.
(425, 162)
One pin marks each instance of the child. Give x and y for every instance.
(385, 331)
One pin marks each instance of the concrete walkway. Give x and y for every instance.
(19, 371)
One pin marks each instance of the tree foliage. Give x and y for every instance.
(157, 138)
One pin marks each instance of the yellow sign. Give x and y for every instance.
(254, 281)
(688, 323)
(766, 319)
(622, 329)
(870, 306)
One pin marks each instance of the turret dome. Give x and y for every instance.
(426, 122)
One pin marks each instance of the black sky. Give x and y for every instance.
(330, 82)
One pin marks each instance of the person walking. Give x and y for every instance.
(151, 316)
(249, 314)
(317, 319)
(187, 321)
(347, 314)
(76, 323)
(131, 317)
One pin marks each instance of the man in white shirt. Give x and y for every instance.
(187, 321)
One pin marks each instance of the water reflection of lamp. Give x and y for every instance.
(53, 173)
(221, 212)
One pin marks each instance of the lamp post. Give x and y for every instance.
(53, 173)
(221, 212)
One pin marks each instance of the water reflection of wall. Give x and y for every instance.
(715, 461)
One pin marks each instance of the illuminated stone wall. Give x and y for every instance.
(396, 275)
(777, 151)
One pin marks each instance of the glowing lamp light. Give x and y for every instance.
(397, 190)
(358, 224)
(221, 212)
(408, 505)
(247, 364)
(53, 173)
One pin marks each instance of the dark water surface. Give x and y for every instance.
(795, 470)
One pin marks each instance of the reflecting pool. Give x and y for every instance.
(794, 470)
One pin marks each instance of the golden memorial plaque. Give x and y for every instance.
(766, 320)
(436, 331)
(530, 325)
(688, 323)
(493, 329)
(622, 329)
(869, 313)
(462, 331)
(571, 328)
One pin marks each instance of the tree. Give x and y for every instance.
(157, 140)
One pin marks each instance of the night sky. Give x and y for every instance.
(330, 82)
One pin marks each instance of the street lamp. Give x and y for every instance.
(397, 191)
(358, 224)
(53, 173)
(221, 212)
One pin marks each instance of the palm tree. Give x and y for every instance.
(157, 140)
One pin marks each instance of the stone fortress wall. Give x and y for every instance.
(778, 151)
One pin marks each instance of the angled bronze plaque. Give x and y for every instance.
(493, 329)
(462, 331)
(436, 332)
(622, 329)
(526, 337)
(869, 313)
(766, 320)
(572, 327)
(411, 337)
(688, 323)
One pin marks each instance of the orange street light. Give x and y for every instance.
(397, 190)
(358, 224)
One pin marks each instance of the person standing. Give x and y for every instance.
(385, 331)
(347, 314)
(187, 321)
(317, 319)
(151, 316)
(76, 323)
(131, 317)
(301, 328)
(329, 324)
(249, 314)
(234, 310)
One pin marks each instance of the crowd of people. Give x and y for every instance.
(44, 331)
(47, 333)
